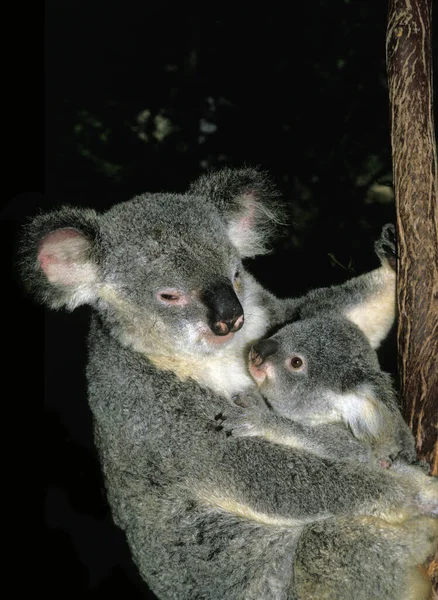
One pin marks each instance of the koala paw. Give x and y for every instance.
(386, 247)
(428, 497)
(241, 422)
(384, 463)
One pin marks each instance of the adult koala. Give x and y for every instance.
(206, 516)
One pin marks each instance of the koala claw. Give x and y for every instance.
(240, 400)
(386, 247)
(219, 418)
(239, 423)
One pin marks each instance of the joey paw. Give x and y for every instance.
(240, 422)
(428, 497)
(241, 400)
(384, 463)
(251, 399)
(426, 487)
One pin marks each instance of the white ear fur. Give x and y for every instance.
(64, 257)
(364, 414)
(376, 314)
(246, 229)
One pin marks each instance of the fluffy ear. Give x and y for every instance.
(364, 413)
(249, 203)
(59, 257)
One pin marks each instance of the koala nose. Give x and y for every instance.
(225, 313)
(227, 325)
(261, 350)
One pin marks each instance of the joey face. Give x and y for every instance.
(313, 366)
(280, 373)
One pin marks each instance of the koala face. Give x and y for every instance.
(163, 270)
(323, 367)
(181, 280)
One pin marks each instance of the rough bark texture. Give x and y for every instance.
(409, 64)
(415, 170)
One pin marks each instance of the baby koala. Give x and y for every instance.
(321, 390)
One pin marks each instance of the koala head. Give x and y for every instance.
(322, 370)
(163, 270)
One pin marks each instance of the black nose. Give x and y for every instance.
(225, 313)
(226, 326)
(261, 350)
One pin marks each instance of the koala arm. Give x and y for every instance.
(331, 440)
(270, 483)
(395, 441)
(336, 441)
(368, 300)
(406, 442)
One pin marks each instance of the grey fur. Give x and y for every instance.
(207, 516)
(337, 404)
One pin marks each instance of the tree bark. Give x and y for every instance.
(409, 65)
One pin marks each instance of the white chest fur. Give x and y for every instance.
(224, 371)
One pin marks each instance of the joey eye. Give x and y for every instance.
(296, 363)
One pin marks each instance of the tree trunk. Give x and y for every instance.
(415, 171)
(409, 64)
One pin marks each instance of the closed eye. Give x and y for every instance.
(169, 297)
(172, 297)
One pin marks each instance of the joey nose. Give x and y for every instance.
(261, 350)
(225, 313)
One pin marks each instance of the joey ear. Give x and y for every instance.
(59, 257)
(361, 409)
(249, 203)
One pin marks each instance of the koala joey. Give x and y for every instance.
(174, 312)
(323, 391)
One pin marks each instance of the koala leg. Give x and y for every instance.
(365, 559)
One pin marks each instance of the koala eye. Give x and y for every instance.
(297, 363)
(172, 297)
